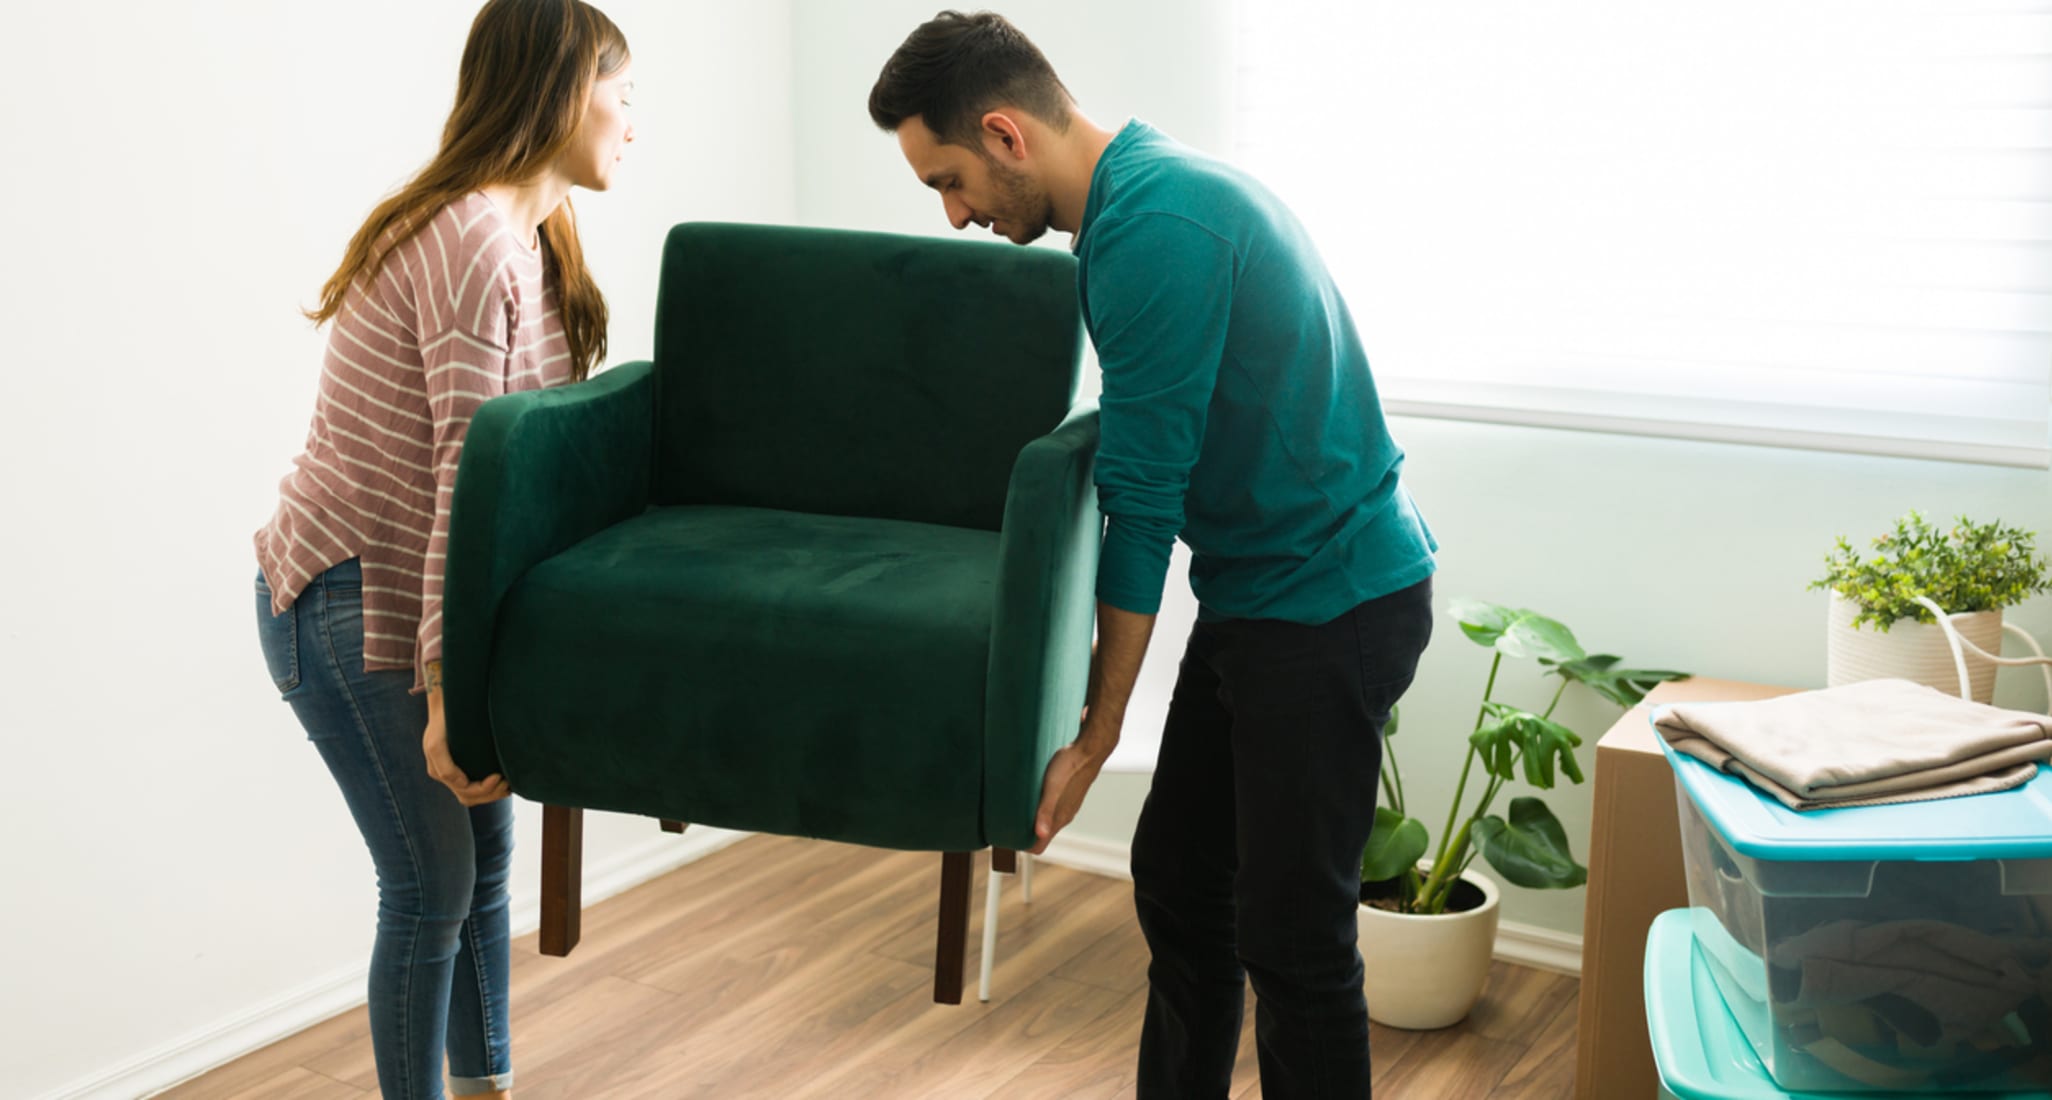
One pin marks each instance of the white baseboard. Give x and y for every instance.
(1539, 948)
(1523, 944)
(1087, 853)
(255, 1028)
(330, 996)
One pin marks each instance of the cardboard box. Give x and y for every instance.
(1635, 874)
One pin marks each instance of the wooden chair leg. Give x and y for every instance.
(672, 826)
(562, 900)
(951, 953)
(1004, 861)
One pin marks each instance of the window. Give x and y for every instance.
(1810, 223)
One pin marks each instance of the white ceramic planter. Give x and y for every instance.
(1426, 972)
(1909, 650)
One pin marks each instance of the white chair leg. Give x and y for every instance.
(1026, 877)
(990, 930)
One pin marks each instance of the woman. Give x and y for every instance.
(466, 284)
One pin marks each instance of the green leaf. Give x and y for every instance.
(1515, 633)
(1496, 742)
(1624, 686)
(1389, 728)
(1395, 846)
(1531, 849)
(1520, 734)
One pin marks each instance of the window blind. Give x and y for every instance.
(1811, 223)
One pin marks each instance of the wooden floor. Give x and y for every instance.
(787, 968)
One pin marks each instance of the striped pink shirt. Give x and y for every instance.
(460, 313)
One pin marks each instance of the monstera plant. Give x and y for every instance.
(1526, 845)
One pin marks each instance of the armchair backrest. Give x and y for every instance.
(861, 374)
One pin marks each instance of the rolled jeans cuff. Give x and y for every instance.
(478, 1086)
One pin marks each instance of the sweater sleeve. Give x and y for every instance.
(1160, 291)
(465, 367)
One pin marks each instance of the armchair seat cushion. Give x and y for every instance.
(755, 669)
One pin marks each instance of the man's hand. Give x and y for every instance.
(1069, 774)
(434, 743)
(1114, 665)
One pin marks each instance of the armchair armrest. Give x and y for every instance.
(541, 471)
(1041, 626)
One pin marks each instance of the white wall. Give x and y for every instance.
(1672, 554)
(179, 179)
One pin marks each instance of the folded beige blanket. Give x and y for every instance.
(1864, 744)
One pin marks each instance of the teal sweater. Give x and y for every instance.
(1238, 411)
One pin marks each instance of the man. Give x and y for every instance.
(1238, 414)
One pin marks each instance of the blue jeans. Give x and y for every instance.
(438, 971)
(1247, 856)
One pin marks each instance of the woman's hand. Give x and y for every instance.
(434, 744)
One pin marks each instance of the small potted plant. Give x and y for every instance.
(1875, 628)
(1428, 926)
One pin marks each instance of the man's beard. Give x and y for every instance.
(1026, 205)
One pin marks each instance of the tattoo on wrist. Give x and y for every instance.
(434, 675)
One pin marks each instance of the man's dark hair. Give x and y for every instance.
(955, 68)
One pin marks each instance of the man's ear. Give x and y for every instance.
(1003, 137)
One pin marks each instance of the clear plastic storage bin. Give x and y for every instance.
(1903, 948)
(1698, 1048)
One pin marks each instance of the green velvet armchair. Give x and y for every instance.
(824, 568)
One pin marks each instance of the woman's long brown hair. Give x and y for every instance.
(526, 77)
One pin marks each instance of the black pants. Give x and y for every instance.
(1247, 858)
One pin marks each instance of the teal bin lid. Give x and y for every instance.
(1697, 1045)
(2012, 824)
